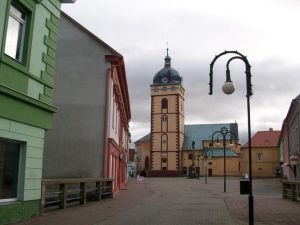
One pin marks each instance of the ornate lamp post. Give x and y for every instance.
(198, 158)
(223, 132)
(228, 88)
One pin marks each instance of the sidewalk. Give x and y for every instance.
(95, 212)
(181, 201)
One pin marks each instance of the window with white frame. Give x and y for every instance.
(15, 33)
(9, 170)
(259, 156)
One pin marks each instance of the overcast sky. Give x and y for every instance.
(197, 30)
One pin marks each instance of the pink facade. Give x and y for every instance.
(116, 152)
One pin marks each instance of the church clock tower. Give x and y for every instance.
(167, 122)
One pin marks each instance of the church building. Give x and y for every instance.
(163, 151)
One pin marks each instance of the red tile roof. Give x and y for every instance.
(265, 139)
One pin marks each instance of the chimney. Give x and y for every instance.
(271, 129)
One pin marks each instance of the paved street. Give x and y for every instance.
(180, 201)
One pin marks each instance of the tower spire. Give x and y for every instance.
(167, 59)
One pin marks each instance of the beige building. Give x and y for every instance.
(265, 154)
(167, 122)
(167, 150)
(209, 161)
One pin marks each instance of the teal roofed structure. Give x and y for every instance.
(200, 132)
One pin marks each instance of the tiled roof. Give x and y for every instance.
(145, 138)
(200, 132)
(265, 139)
(219, 152)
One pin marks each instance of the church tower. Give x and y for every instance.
(167, 122)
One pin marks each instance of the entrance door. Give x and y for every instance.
(210, 172)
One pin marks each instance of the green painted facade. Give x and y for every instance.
(26, 99)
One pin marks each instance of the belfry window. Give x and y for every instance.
(164, 103)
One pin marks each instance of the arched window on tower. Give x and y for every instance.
(164, 123)
(164, 142)
(164, 105)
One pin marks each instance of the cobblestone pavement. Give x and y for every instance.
(181, 201)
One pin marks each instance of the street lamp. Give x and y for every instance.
(198, 158)
(205, 158)
(228, 88)
(223, 133)
(191, 173)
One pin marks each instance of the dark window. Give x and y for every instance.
(210, 163)
(164, 103)
(190, 156)
(9, 169)
(164, 160)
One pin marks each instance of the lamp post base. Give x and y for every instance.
(251, 213)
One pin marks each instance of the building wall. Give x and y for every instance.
(293, 127)
(166, 136)
(74, 148)
(142, 151)
(216, 164)
(264, 167)
(26, 96)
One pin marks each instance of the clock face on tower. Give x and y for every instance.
(164, 80)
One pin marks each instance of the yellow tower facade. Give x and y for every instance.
(167, 122)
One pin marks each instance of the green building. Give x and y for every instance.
(28, 36)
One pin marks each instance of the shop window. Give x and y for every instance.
(15, 34)
(9, 170)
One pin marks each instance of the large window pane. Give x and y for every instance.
(9, 169)
(15, 33)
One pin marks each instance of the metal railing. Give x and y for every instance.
(61, 193)
(291, 190)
